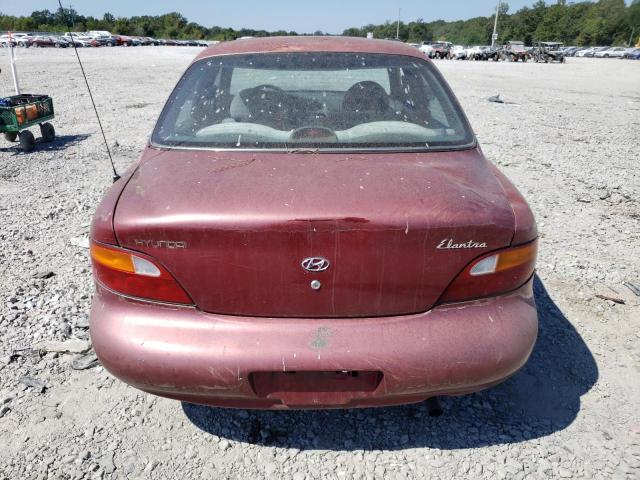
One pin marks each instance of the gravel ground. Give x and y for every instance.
(570, 143)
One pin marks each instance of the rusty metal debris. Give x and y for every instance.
(610, 298)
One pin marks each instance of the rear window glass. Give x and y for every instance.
(312, 100)
(318, 80)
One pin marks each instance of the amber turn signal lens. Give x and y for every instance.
(493, 274)
(111, 258)
(515, 257)
(135, 275)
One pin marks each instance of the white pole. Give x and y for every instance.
(14, 71)
(495, 26)
(398, 26)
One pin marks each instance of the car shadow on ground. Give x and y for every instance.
(61, 142)
(544, 397)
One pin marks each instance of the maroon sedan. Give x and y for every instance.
(44, 41)
(312, 225)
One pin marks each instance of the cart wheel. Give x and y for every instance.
(48, 132)
(27, 140)
(10, 136)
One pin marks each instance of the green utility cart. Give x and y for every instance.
(20, 112)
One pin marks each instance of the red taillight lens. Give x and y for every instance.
(493, 274)
(135, 275)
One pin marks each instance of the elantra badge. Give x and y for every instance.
(315, 264)
(449, 244)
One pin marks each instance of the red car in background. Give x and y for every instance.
(313, 225)
(126, 40)
(47, 41)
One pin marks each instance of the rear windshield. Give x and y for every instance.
(312, 101)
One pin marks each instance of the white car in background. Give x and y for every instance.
(426, 48)
(458, 52)
(590, 52)
(22, 39)
(80, 39)
(474, 52)
(5, 41)
(613, 52)
(584, 52)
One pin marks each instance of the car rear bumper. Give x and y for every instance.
(251, 362)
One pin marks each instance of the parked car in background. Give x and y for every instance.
(441, 50)
(103, 40)
(426, 48)
(143, 41)
(49, 41)
(128, 41)
(22, 39)
(632, 54)
(81, 39)
(613, 52)
(6, 41)
(584, 52)
(458, 52)
(570, 51)
(75, 41)
(590, 52)
(514, 51)
(319, 229)
(475, 52)
(105, 37)
(490, 53)
(100, 33)
(436, 49)
(547, 52)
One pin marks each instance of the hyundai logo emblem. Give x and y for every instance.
(315, 264)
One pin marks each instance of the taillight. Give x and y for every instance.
(135, 275)
(494, 273)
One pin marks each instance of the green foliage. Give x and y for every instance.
(605, 22)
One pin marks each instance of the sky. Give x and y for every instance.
(330, 16)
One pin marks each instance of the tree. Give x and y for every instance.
(603, 22)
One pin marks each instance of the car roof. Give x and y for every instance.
(309, 44)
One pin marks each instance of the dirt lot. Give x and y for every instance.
(571, 146)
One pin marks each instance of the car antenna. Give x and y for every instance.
(116, 177)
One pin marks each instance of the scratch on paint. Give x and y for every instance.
(284, 367)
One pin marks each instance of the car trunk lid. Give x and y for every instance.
(235, 227)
